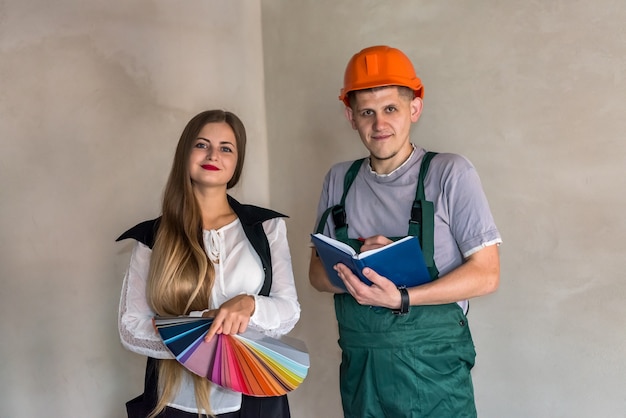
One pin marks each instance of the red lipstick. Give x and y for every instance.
(210, 167)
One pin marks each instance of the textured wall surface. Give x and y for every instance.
(533, 93)
(93, 98)
(94, 95)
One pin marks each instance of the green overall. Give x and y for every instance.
(403, 366)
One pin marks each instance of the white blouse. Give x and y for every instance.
(238, 270)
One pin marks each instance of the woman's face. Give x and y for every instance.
(213, 156)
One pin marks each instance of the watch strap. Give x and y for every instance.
(404, 302)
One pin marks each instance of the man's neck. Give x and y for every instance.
(389, 166)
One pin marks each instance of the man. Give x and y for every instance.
(405, 352)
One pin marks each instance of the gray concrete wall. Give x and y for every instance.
(93, 96)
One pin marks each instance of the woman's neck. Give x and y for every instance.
(216, 212)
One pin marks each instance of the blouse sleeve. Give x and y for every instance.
(279, 312)
(135, 316)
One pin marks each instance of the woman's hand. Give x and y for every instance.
(232, 317)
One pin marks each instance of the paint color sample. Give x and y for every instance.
(251, 363)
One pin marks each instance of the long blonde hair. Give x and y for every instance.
(181, 275)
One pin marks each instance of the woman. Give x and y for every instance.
(207, 255)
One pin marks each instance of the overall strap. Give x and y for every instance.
(339, 212)
(422, 222)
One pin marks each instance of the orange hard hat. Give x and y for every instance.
(379, 66)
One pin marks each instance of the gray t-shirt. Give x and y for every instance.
(381, 204)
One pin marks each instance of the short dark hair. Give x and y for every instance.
(403, 91)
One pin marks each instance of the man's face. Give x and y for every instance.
(383, 119)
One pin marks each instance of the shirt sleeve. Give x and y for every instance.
(279, 312)
(322, 205)
(330, 195)
(470, 218)
(137, 333)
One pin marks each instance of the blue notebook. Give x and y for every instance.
(401, 262)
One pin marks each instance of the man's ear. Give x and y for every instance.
(349, 115)
(416, 108)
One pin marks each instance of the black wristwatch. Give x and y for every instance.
(404, 302)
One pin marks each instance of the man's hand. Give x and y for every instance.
(374, 242)
(383, 292)
(232, 317)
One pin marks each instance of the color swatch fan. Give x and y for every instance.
(251, 363)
